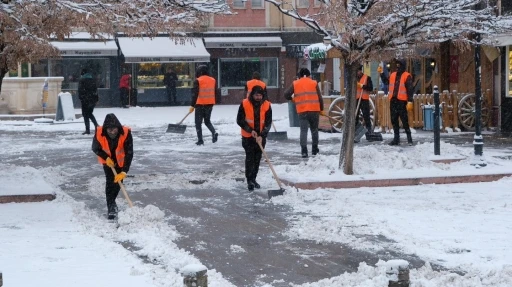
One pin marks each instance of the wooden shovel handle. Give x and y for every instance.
(327, 116)
(275, 130)
(270, 165)
(122, 188)
(184, 118)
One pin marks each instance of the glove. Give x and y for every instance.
(110, 162)
(409, 106)
(379, 70)
(322, 113)
(359, 85)
(120, 176)
(191, 109)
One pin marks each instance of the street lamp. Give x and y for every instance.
(478, 141)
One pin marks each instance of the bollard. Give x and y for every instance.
(437, 113)
(194, 275)
(397, 272)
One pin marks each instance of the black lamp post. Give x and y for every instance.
(478, 141)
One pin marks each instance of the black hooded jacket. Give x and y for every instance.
(408, 82)
(240, 118)
(87, 90)
(112, 121)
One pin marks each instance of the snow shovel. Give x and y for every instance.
(178, 128)
(122, 188)
(276, 136)
(275, 192)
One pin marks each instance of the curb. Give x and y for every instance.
(26, 198)
(397, 181)
(30, 117)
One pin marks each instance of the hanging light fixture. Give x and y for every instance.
(432, 63)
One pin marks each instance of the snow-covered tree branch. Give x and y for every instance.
(384, 29)
(26, 26)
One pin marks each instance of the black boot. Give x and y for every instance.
(112, 211)
(395, 141)
(215, 137)
(409, 139)
(315, 150)
(199, 137)
(256, 184)
(87, 132)
(250, 185)
(304, 152)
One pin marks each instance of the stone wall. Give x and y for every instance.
(24, 95)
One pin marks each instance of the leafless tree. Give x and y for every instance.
(384, 29)
(27, 26)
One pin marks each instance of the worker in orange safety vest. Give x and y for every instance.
(309, 104)
(204, 96)
(255, 119)
(113, 144)
(401, 97)
(255, 81)
(364, 88)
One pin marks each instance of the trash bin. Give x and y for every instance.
(292, 115)
(428, 118)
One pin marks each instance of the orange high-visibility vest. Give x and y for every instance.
(249, 115)
(120, 154)
(402, 91)
(206, 95)
(306, 97)
(360, 91)
(252, 83)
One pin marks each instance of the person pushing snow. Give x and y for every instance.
(113, 144)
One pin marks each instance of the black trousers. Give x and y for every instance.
(252, 157)
(87, 110)
(398, 109)
(124, 94)
(111, 188)
(311, 120)
(171, 95)
(203, 112)
(364, 106)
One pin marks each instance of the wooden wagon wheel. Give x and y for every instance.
(337, 113)
(467, 112)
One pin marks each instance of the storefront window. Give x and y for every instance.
(151, 75)
(70, 69)
(236, 72)
(417, 76)
(40, 69)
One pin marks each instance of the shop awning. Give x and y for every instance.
(163, 50)
(89, 48)
(243, 42)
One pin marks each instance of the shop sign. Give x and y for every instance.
(243, 45)
(88, 52)
(164, 59)
(296, 50)
(314, 53)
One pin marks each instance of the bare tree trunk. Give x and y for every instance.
(3, 72)
(349, 121)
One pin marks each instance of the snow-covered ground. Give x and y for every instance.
(464, 227)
